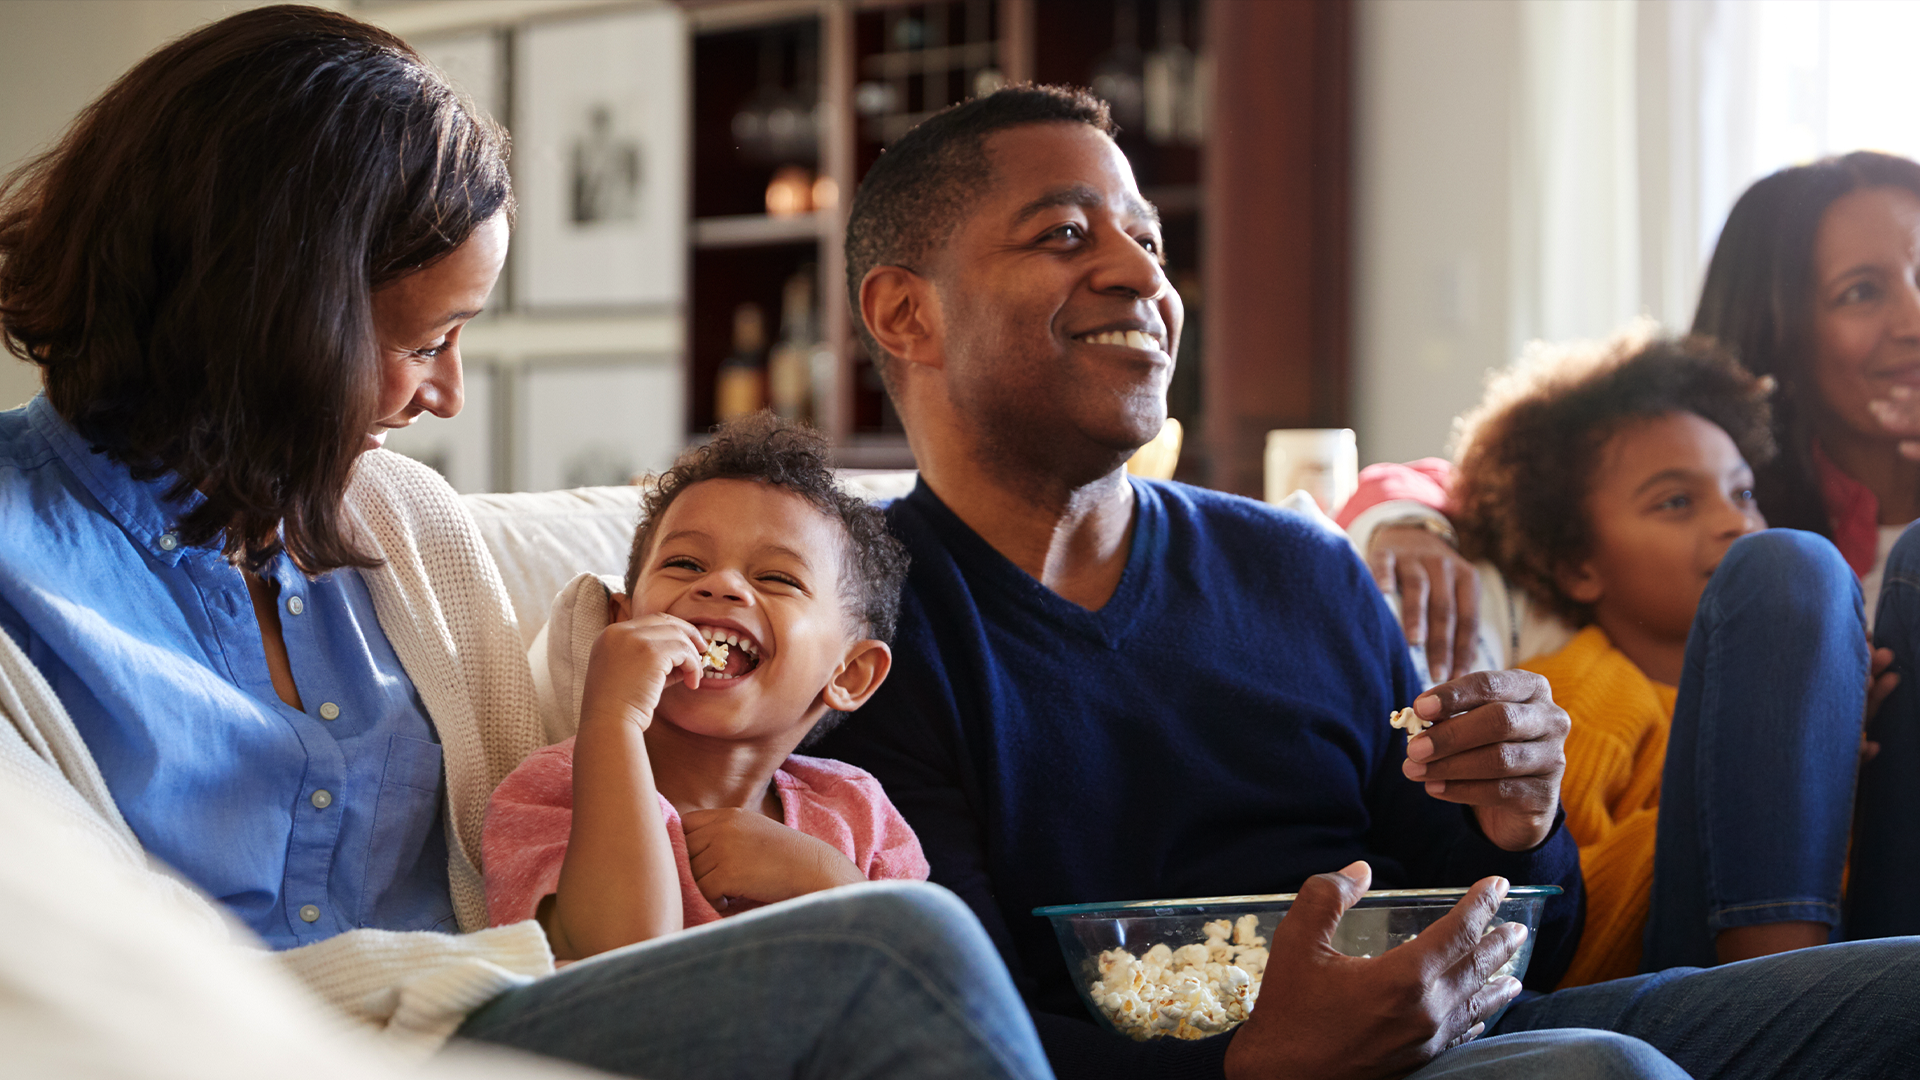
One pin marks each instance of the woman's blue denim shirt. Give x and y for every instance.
(305, 824)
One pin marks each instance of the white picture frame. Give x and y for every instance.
(595, 422)
(476, 63)
(600, 115)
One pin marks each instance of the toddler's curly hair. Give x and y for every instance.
(795, 458)
(1526, 455)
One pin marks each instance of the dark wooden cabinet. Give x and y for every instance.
(1255, 189)
(1278, 238)
(1256, 202)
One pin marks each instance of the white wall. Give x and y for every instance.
(1435, 146)
(55, 57)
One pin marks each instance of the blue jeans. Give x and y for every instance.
(1756, 799)
(1836, 1012)
(892, 979)
(1754, 811)
(1563, 1054)
(883, 980)
(1883, 894)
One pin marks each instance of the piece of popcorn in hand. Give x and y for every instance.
(716, 657)
(1412, 724)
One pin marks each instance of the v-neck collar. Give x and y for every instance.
(980, 561)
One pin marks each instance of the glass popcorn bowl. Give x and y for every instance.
(1187, 969)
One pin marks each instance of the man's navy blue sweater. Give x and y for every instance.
(1218, 727)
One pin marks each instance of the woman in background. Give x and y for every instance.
(1816, 282)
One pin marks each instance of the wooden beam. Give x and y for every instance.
(1278, 176)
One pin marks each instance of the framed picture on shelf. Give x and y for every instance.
(600, 151)
(460, 448)
(587, 423)
(476, 61)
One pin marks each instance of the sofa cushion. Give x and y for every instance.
(544, 539)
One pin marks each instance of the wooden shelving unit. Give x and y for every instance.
(1254, 195)
(749, 230)
(841, 55)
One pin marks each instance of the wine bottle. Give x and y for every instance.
(740, 387)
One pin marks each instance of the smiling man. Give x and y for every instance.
(1109, 689)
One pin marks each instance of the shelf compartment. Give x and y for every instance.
(939, 58)
(751, 230)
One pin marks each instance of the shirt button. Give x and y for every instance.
(168, 541)
(309, 913)
(329, 711)
(296, 605)
(321, 800)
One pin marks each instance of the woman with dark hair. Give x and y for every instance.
(1816, 282)
(243, 640)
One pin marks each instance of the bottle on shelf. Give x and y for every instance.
(790, 192)
(1169, 84)
(740, 387)
(789, 367)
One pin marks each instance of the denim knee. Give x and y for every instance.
(911, 916)
(1785, 575)
(1607, 1055)
(896, 903)
(1906, 553)
(1561, 1053)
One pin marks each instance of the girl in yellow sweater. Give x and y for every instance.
(1718, 681)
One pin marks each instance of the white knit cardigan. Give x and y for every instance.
(440, 601)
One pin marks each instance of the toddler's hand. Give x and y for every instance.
(631, 663)
(738, 853)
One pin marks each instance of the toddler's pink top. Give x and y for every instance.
(531, 816)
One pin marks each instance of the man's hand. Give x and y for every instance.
(1322, 1014)
(1439, 594)
(1501, 750)
(749, 856)
(631, 663)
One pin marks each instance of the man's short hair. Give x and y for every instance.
(1528, 453)
(915, 195)
(795, 458)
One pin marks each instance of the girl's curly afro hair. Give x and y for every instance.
(1527, 454)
